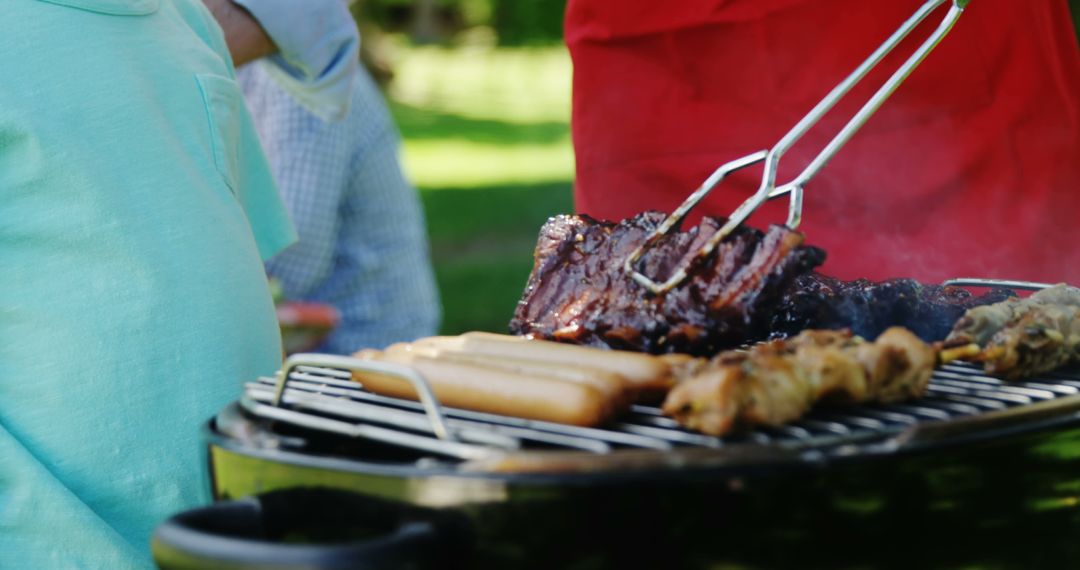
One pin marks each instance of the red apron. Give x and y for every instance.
(972, 168)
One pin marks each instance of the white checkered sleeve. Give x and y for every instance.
(363, 247)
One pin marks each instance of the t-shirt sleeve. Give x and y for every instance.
(319, 51)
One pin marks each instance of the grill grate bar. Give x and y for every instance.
(322, 372)
(921, 411)
(1004, 397)
(983, 404)
(1028, 391)
(327, 399)
(983, 399)
(375, 433)
(860, 423)
(506, 437)
(672, 435)
(953, 408)
(824, 426)
(354, 391)
(344, 383)
(310, 401)
(883, 413)
(655, 421)
(794, 431)
(1057, 389)
(946, 376)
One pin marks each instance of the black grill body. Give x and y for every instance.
(1006, 502)
(990, 479)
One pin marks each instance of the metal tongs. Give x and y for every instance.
(769, 189)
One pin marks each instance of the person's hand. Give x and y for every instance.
(246, 38)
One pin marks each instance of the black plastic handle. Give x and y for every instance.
(309, 529)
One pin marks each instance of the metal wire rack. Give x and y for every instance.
(328, 400)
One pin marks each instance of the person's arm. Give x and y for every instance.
(247, 39)
(314, 47)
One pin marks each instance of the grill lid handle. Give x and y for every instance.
(419, 383)
(310, 529)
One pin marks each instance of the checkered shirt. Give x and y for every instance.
(363, 246)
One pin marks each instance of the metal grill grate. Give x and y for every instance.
(327, 400)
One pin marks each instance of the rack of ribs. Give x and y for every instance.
(579, 293)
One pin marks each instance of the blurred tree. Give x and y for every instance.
(516, 22)
(529, 22)
(1074, 5)
(425, 21)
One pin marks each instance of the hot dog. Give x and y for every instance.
(493, 390)
(644, 372)
(616, 389)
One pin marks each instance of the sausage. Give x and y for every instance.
(643, 371)
(491, 390)
(682, 366)
(616, 389)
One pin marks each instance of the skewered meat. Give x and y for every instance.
(817, 301)
(579, 293)
(779, 381)
(1022, 337)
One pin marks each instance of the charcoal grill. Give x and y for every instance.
(979, 471)
(960, 399)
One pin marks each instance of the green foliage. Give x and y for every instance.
(476, 12)
(482, 243)
(516, 22)
(529, 22)
(486, 139)
(1074, 6)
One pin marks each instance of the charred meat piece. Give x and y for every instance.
(777, 382)
(579, 293)
(817, 301)
(1023, 337)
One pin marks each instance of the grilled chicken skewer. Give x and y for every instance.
(1022, 337)
(777, 382)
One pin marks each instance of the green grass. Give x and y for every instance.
(487, 142)
(482, 240)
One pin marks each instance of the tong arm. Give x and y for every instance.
(768, 189)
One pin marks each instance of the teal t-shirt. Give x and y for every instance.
(135, 208)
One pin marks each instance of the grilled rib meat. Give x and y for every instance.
(579, 293)
(1023, 337)
(779, 381)
(817, 301)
